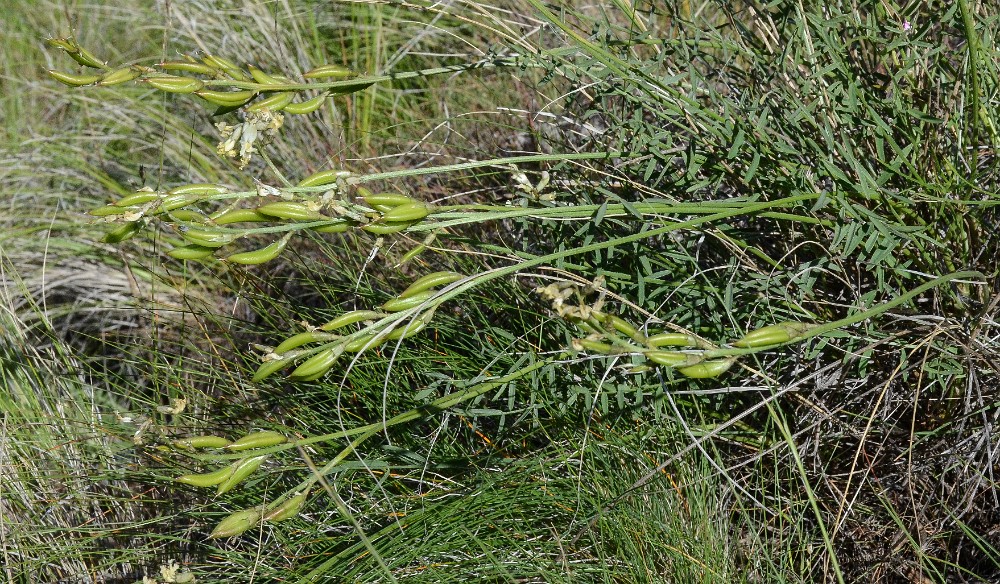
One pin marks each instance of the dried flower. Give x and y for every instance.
(258, 125)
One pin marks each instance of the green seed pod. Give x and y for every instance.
(306, 107)
(201, 442)
(670, 358)
(122, 233)
(291, 210)
(329, 72)
(191, 252)
(108, 211)
(318, 364)
(259, 256)
(350, 318)
(261, 77)
(300, 339)
(390, 200)
(136, 198)
(236, 523)
(86, 58)
(207, 237)
(241, 470)
(671, 340)
(240, 216)
(171, 202)
(269, 368)
(400, 304)
(188, 67)
(387, 228)
(364, 342)
(593, 346)
(339, 227)
(117, 76)
(76, 52)
(287, 509)
(707, 369)
(210, 479)
(226, 66)
(205, 189)
(407, 212)
(421, 248)
(172, 84)
(430, 281)
(624, 327)
(73, 80)
(65, 43)
(774, 334)
(323, 178)
(407, 330)
(275, 103)
(226, 98)
(262, 439)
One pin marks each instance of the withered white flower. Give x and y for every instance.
(261, 125)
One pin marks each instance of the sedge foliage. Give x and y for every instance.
(700, 168)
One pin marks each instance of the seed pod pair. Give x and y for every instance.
(430, 281)
(240, 470)
(122, 233)
(236, 523)
(775, 334)
(316, 366)
(76, 52)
